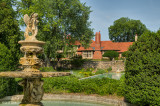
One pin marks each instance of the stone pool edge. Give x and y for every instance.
(72, 97)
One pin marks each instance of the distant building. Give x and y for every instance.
(98, 47)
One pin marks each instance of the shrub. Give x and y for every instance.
(101, 71)
(124, 54)
(8, 87)
(6, 62)
(86, 72)
(109, 69)
(111, 54)
(67, 83)
(121, 87)
(90, 69)
(104, 86)
(47, 69)
(142, 71)
(77, 61)
(59, 56)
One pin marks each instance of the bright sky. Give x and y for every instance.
(105, 12)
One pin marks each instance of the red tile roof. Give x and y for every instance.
(108, 45)
(124, 46)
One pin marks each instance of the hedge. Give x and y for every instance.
(142, 71)
(104, 86)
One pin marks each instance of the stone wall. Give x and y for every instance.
(65, 64)
(116, 65)
(119, 65)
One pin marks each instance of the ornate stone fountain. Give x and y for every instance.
(32, 83)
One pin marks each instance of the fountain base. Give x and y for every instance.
(33, 90)
(32, 85)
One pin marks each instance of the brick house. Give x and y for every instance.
(98, 47)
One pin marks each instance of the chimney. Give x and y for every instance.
(98, 38)
(97, 53)
(136, 37)
(98, 41)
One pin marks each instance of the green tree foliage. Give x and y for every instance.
(8, 87)
(61, 22)
(77, 61)
(125, 29)
(9, 47)
(142, 71)
(111, 54)
(9, 31)
(124, 54)
(6, 58)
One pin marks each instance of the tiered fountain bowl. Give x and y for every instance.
(32, 83)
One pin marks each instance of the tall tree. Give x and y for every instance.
(125, 29)
(9, 47)
(9, 31)
(57, 20)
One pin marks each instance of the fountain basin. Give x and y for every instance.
(31, 46)
(57, 103)
(17, 74)
(31, 43)
(62, 99)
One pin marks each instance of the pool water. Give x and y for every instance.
(57, 103)
(116, 76)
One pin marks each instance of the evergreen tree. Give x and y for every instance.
(142, 71)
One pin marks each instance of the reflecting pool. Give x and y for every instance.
(57, 103)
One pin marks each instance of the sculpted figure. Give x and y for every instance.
(33, 90)
(31, 29)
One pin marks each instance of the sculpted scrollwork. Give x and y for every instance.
(31, 49)
(30, 61)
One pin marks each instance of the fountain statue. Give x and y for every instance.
(32, 83)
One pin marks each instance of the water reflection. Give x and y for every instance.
(56, 103)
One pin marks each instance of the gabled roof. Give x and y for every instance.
(120, 46)
(124, 46)
(108, 45)
(91, 47)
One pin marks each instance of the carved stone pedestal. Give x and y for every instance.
(33, 91)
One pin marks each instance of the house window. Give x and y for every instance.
(87, 54)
